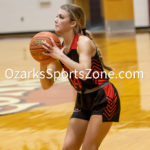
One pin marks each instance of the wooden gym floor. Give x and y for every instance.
(34, 119)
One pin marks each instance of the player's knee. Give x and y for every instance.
(65, 147)
(68, 146)
(90, 146)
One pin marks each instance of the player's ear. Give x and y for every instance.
(73, 24)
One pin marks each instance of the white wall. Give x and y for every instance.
(35, 15)
(141, 16)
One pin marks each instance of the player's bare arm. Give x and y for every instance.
(85, 51)
(53, 66)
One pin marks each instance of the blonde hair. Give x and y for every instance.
(77, 14)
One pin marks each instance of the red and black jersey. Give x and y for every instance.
(96, 75)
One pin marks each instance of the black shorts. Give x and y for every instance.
(105, 101)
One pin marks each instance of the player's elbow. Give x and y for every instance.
(45, 87)
(46, 84)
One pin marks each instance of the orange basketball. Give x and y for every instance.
(36, 48)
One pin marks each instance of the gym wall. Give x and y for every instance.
(28, 15)
(141, 13)
(21, 16)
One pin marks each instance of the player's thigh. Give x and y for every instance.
(96, 131)
(75, 133)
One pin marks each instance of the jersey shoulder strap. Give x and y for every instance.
(74, 42)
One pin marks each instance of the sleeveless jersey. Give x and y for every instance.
(96, 75)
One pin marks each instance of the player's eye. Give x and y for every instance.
(61, 17)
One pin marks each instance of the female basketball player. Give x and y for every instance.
(97, 103)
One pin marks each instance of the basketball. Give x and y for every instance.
(36, 48)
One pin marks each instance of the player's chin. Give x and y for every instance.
(57, 31)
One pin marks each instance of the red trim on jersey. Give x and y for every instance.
(74, 42)
(112, 101)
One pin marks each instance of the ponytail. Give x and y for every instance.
(101, 58)
(88, 34)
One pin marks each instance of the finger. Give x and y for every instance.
(45, 43)
(53, 42)
(64, 48)
(47, 54)
(45, 47)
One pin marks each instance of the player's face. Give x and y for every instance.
(62, 22)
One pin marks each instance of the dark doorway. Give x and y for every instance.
(96, 15)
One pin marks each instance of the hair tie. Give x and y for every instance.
(84, 31)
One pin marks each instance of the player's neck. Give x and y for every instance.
(68, 37)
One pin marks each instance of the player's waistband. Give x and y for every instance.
(86, 91)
